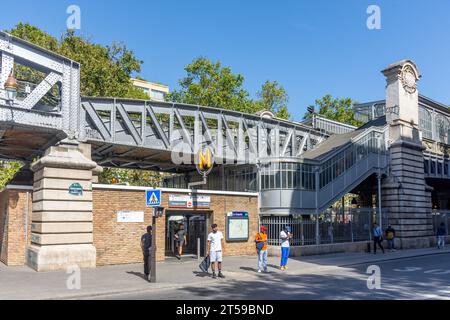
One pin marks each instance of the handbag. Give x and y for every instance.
(206, 263)
(259, 245)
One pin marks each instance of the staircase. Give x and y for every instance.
(335, 167)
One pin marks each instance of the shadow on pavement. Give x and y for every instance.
(137, 274)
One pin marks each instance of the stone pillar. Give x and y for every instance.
(405, 193)
(62, 227)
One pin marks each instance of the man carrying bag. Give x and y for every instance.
(261, 248)
(206, 263)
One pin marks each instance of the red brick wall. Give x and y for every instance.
(12, 236)
(119, 243)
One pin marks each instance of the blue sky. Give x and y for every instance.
(311, 47)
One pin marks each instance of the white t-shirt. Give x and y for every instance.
(216, 240)
(284, 239)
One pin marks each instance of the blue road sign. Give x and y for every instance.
(153, 198)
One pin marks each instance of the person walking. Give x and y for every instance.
(216, 246)
(285, 235)
(261, 249)
(390, 237)
(441, 234)
(377, 238)
(181, 240)
(146, 246)
(331, 232)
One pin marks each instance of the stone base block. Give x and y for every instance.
(415, 243)
(53, 258)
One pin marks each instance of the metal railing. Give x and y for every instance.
(334, 226)
(330, 126)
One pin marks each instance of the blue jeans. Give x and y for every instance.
(262, 260)
(284, 256)
(391, 244)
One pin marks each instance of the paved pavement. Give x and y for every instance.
(176, 276)
(417, 278)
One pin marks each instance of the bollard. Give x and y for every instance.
(198, 249)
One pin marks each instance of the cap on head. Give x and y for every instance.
(263, 229)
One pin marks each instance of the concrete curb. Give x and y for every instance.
(234, 276)
(397, 258)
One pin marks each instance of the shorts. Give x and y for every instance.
(215, 256)
(180, 243)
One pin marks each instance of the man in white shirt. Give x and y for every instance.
(216, 247)
(285, 235)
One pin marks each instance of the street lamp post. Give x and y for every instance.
(11, 87)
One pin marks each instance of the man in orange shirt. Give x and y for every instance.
(261, 248)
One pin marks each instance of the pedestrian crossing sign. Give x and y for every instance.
(153, 198)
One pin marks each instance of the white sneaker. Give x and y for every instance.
(259, 271)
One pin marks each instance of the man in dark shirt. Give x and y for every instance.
(146, 246)
(180, 237)
(390, 237)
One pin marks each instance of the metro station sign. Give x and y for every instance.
(189, 202)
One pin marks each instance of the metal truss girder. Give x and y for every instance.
(160, 131)
(251, 143)
(97, 121)
(129, 124)
(7, 65)
(230, 141)
(31, 55)
(301, 149)
(209, 136)
(39, 92)
(184, 130)
(287, 142)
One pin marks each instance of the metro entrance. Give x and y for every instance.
(196, 226)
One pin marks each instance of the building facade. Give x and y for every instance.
(155, 91)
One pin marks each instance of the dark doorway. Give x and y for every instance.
(195, 225)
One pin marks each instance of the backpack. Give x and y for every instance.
(259, 245)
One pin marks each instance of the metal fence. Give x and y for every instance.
(441, 216)
(333, 226)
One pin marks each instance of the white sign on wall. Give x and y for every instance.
(130, 216)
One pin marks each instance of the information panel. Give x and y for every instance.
(237, 226)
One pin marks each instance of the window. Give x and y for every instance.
(425, 122)
(158, 95)
(146, 90)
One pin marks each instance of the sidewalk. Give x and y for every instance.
(24, 283)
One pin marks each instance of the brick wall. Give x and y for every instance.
(119, 243)
(13, 212)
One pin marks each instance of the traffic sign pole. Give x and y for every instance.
(153, 254)
(153, 200)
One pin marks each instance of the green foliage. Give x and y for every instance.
(210, 84)
(338, 109)
(7, 171)
(132, 177)
(274, 98)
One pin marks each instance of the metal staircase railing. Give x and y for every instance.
(345, 168)
(329, 176)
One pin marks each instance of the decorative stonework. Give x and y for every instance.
(409, 79)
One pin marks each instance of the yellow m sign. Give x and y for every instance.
(205, 160)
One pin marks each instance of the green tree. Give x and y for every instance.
(338, 109)
(208, 83)
(132, 177)
(274, 97)
(7, 171)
